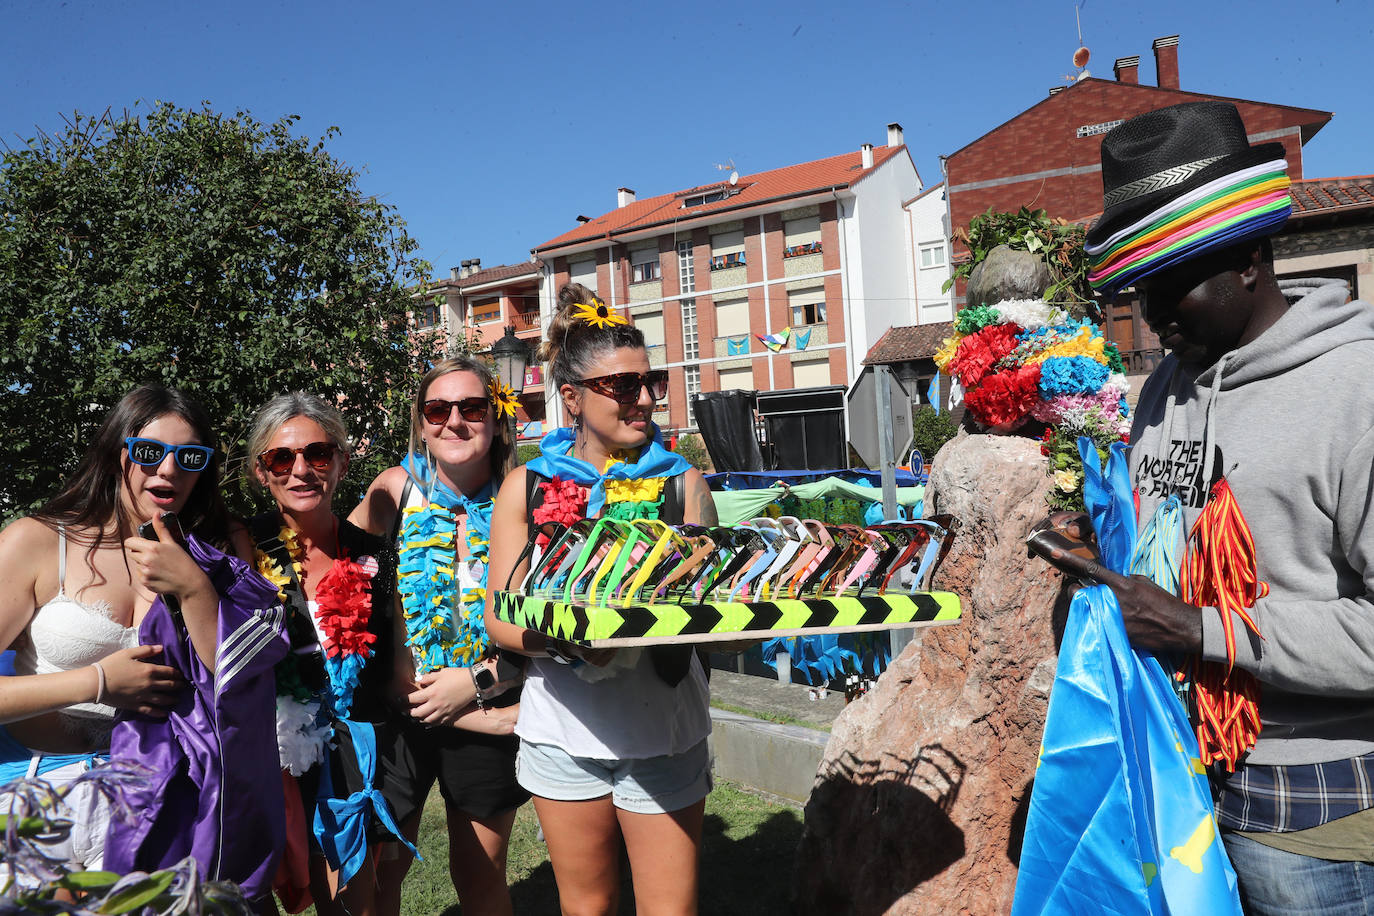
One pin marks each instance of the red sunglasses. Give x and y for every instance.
(318, 455)
(624, 387)
(437, 411)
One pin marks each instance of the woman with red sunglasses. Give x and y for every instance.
(123, 642)
(338, 586)
(611, 748)
(436, 507)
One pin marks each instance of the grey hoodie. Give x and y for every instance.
(1289, 420)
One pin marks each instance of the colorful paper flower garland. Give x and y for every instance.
(1025, 360)
(438, 637)
(344, 599)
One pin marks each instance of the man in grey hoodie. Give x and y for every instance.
(1269, 386)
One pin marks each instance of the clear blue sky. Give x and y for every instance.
(490, 126)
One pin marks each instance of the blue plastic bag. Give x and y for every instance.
(1121, 817)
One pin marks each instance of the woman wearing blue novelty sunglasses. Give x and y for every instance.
(118, 638)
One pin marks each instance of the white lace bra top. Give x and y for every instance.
(66, 634)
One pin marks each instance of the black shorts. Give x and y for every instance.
(345, 777)
(476, 772)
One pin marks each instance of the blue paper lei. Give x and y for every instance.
(556, 460)
(427, 580)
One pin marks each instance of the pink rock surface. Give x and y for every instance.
(921, 795)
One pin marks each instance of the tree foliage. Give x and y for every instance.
(1055, 239)
(216, 253)
(931, 430)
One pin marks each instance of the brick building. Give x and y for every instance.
(479, 304)
(822, 248)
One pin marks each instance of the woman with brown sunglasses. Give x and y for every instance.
(436, 507)
(613, 748)
(337, 583)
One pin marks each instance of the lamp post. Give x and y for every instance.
(511, 355)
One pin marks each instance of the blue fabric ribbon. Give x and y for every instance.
(556, 460)
(341, 823)
(477, 507)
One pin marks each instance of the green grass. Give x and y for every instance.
(777, 717)
(748, 847)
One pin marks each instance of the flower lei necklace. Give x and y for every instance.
(565, 501)
(438, 636)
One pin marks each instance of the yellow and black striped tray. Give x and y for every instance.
(662, 624)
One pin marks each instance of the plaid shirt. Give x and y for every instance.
(1281, 799)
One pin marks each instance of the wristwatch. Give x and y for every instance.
(483, 679)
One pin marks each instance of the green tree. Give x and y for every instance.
(931, 430)
(216, 253)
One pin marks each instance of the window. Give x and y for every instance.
(807, 305)
(690, 348)
(692, 375)
(732, 318)
(701, 200)
(583, 272)
(484, 310)
(686, 271)
(727, 250)
(810, 313)
(427, 315)
(651, 326)
(933, 255)
(811, 373)
(801, 236)
(741, 379)
(644, 264)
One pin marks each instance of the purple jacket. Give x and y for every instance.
(216, 793)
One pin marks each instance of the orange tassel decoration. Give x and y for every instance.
(1220, 572)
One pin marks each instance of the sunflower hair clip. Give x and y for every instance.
(597, 314)
(503, 399)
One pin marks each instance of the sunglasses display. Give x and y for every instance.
(318, 455)
(610, 582)
(437, 411)
(624, 387)
(150, 452)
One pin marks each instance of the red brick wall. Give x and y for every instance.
(1043, 138)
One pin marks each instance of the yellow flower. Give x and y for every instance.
(634, 491)
(503, 399)
(946, 351)
(597, 314)
(272, 572)
(1066, 480)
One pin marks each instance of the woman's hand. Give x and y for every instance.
(163, 567)
(443, 696)
(132, 682)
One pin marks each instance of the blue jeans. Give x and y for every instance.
(1278, 883)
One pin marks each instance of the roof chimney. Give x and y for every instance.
(1127, 70)
(866, 155)
(454, 273)
(624, 196)
(1166, 61)
(894, 134)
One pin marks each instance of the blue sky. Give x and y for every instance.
(491, 126)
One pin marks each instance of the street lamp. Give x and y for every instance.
(511, 355)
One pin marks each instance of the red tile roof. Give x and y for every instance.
(840, 171)
(909, 342)
(493, 275)
(1320, 196)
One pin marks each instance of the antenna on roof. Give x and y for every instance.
(728, 166)
(734, 178)
(1081, 55)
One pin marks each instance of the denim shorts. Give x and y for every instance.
(652, 785)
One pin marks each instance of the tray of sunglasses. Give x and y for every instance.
(607, 582)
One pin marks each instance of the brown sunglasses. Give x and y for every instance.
(624, 387)
(281, 460)
(437, 411)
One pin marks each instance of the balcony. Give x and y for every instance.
(525, 321)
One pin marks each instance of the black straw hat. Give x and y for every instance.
(1158, 156)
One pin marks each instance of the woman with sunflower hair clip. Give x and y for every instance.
(462, 700)
(613, 742)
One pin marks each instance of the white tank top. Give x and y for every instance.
(66, 634)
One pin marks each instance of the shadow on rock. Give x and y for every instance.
(876, 830)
